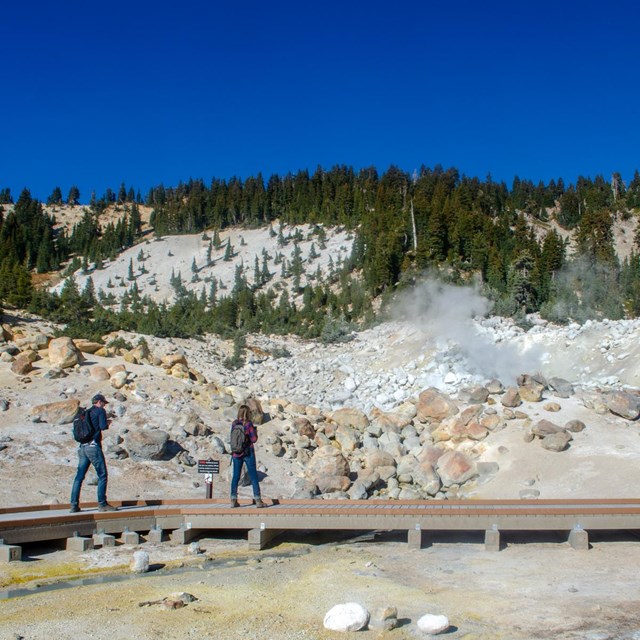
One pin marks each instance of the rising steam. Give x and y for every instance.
(448, 316)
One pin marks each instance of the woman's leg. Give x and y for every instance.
(250, 461)
(235, 478)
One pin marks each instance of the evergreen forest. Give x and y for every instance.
(463, 229)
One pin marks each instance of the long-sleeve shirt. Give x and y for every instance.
(98, 419)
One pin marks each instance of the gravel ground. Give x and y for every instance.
(536, 587)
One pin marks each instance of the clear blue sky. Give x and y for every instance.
(96, 94)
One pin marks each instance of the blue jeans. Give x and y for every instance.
(90, 455)
(250, 461)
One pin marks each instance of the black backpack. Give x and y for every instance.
(238, 439)
(83, 430)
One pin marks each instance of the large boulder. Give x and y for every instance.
(99, 373)
(544, 428)
(255, 410)
(455, 467)
(63, 353)
(87, 346)
(348, 417)
(623, 404)
(304, 427)
(328, 468)
(22, 364)
(556, 441)
(425, 476)
(378, 458)
(62, 412)
(511, 398)
(394, 420)
(434, 405)
(531, 392)
(347, 438)
(146, 444)
(170, 361)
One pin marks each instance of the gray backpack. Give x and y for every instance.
(238, 439)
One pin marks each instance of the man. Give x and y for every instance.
(91, 454)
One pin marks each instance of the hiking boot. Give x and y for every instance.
(234, 503)
(74, 509)
(107, 507)
(259, 504)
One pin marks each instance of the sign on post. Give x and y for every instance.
(208, 467)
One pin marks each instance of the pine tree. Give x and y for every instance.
(55, 197)
(74, 196)
(228, 252)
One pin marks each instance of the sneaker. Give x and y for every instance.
(259, 504)
(75, 509)
(234, 503)
(107, 507)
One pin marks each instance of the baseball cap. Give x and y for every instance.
(99, 398)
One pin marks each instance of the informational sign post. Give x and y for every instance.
(209, 468)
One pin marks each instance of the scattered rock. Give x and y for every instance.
(139, 562)
(384, 618)
(433, 624)
(346, 617)
(623, 404)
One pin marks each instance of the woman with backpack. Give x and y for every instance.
(243, 436)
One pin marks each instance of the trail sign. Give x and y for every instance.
(208, 466)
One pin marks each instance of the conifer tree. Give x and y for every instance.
(74, 195)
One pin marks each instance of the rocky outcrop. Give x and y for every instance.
(62, 412)
(63, 353)
(146, 444)
(329, 470)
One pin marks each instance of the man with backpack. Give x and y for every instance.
(89, 433)
(242, 438)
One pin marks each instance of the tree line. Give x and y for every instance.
(434, 218)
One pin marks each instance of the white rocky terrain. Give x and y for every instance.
(443, 401)
(444, 406)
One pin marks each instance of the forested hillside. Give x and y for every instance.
(465, 229)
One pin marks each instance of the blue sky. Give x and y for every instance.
(96, 94)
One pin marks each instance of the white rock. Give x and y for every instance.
(350, 384)
(140, 562)
(350, 616)
(433, 624)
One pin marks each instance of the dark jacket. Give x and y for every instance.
(97, 417)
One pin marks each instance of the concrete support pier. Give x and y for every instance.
(102, 539)
(414, 538)
(259, 538)
(579, 539)
(492, 540)
(10, 552)
(130, 537)
(183, 535)
(79, 543)
(155, 535)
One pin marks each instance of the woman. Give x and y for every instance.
(246, 455)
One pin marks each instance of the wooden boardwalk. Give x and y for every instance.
(186, 519)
